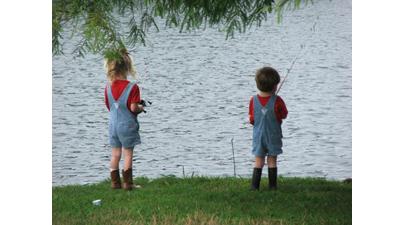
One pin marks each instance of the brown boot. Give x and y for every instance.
(115, 179)
(128, 183)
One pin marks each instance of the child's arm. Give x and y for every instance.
(280, 109)
(107, 104)
(135, 98)
(251, 112)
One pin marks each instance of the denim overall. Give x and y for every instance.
(123, 125)
(267, 133)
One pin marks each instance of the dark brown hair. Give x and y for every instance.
(267, 79)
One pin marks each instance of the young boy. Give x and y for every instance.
(266, 112)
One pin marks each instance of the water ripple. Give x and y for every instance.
(200, 86)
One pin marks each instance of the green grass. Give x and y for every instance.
(202, 200)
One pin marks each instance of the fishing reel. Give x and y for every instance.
(145, 104)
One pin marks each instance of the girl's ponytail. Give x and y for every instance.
(120, 65)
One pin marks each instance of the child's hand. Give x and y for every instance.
(140, 109)
(137, 108)
(250, 120)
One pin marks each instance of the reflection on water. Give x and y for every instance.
(200, 86)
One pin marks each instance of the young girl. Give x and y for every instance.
(266, 112)
(122, 99)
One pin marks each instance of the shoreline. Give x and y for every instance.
(208, 176)
(205, 200)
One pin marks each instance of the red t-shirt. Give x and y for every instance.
(279, 108)
(117, 87)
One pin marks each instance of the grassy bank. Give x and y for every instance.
(202, 200)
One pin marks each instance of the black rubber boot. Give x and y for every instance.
(257, 175)
(273, 178)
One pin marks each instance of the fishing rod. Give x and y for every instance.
(288, 72)
(145, 103)
(296, 58)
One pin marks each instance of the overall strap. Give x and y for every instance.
(125, 94)
(256, 101)
(110, 97)
(271, 102)
(258, 109)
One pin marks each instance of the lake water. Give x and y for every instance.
(200, 85)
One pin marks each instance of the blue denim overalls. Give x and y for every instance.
(267, 133)
(123, 125)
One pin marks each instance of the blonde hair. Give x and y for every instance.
(119, 66)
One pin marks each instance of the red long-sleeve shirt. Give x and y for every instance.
(117, 87)
(280, 108)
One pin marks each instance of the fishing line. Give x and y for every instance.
(143, 102)
(302, 46)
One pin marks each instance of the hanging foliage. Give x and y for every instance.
(106, 25)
